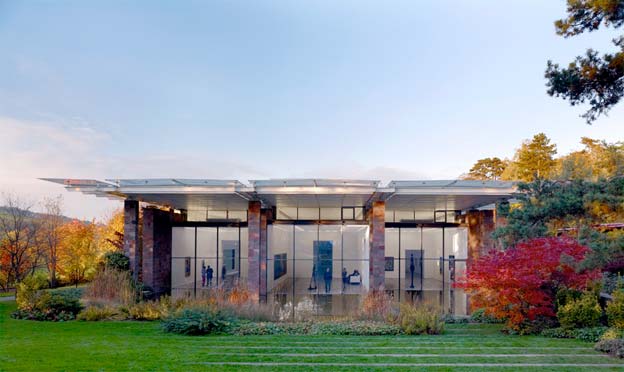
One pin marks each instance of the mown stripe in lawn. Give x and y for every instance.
(302, 364)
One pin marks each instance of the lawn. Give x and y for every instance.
(142, 346)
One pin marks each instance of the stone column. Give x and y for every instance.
(253, 248)
(377, 257)
(131, 237)
(480, 225)
(157, 250)
(265, 216)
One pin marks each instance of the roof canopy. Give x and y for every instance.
(202, 194)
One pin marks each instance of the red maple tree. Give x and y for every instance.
(520, 284)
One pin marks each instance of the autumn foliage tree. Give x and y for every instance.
(78, 257)
(519, 285)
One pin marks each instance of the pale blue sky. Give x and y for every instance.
(245, 90)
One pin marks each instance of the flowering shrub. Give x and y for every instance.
(519, 284)
(615, 310)
(580, 313)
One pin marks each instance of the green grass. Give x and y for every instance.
(142, 346)
(7, 294)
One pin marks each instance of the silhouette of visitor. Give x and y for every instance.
(328, 279)
(345, 278)
(209, 273)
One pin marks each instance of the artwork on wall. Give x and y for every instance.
(389, 263)
(187, 267)
(230, 247)
(280, 265)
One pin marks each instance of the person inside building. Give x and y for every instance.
(345, 278)
(209, 273)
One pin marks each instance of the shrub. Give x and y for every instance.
(353, 328)
(420, 319)
(615, 310)
(519, 284)
(455, 319)
(592, 334)
(613, 347)
(198, 321)
(480, 316)
(114, 286)
(580, 313)
(52, 306)
(94, 313)
(28, 294)
(377, 304)
(117, 261)
(149, 310)
(612, 334)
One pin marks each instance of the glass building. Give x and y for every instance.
(305, 245)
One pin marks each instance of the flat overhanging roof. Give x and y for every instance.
(211, 194)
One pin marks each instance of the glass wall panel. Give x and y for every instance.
(237, 215)
(207, 259)
(403, 216)
(183, 257)
(218, 215)
(331, 236)
(308, 214)
(392, 267)
(330, 214)
(280, 262)
(359, 213)
(305, 236)
(433, 269)
(196, 215)
(412, 251)
(229, 255)
(356, 253)
(286, 213)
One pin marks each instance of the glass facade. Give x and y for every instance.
(204, 258)
(423, 262)
(323, 268)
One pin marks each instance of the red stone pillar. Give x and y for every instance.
(253, 248)
(156, 265)
(131, 237)
(480, 225)
(377, 256)
(265, 217)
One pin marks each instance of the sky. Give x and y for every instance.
(269, 89)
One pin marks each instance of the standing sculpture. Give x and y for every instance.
(312, 285)
(412, 268)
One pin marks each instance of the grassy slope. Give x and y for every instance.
(123, 346)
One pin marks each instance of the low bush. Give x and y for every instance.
(33, 303)
(344, 328)
(615, 310)
(149, 310)
(612, 334)
(355, 328)
(455, 319)
(612, 347)
(420, 319)
(480, 316)
(580, 313)
(94, 313)
(200, 321)
(591, 334)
